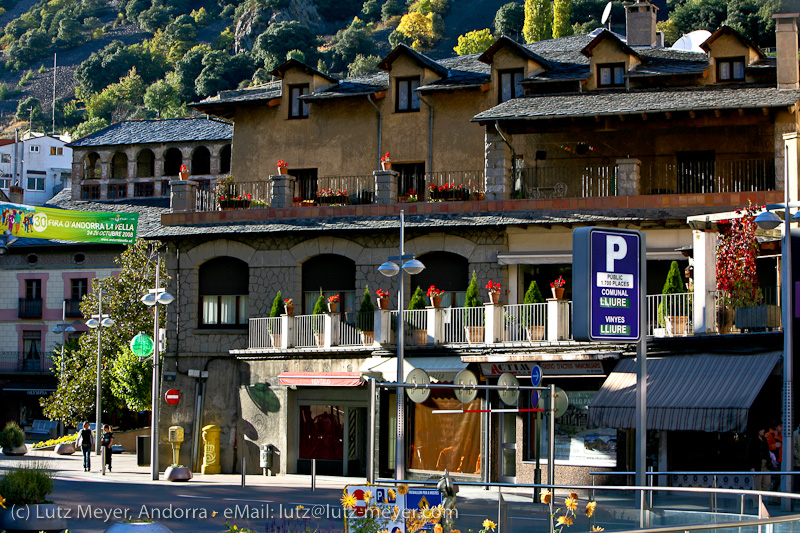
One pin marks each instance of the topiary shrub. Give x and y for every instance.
(366, 313)
(320, 308)
(472, 299)
(672, 285)
(27, 484)
(533, 295)
(417, 300)
(12, 436)
(278, 307)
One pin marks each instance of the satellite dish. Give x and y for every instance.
(692, 41)
(606, 14)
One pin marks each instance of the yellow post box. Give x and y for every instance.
(176, 438)
(211, 450)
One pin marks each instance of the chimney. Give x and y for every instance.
(640, 24)
(786, 45)
(16, 194)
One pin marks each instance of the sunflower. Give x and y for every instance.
(392, 494)
(2, 502)
(590, 508)
(546, 496)
(395, 512)
(402, 489)
(367, 495)
(489, 525)
(564, 521)
(348, 501)
(438, 528)
(597, 528)
(571, 504)
(573, 495)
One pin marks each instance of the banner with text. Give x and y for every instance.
(84, 226)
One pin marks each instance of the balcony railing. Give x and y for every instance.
(18, 362)
(525, 322)
(568, 181)
(668, 176)
(339, 190)
(30, 308)
(669, 315)
(72, 308)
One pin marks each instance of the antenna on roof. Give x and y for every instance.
(606, 16)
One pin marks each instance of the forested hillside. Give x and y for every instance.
(126, 59)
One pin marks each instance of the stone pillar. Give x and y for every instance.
(214, 165)
(494, 323)
(435, 325)
(332, 322)
(704, 257)
(386, 190)
(287, 330)
(497, 168)
(786, 47)
(629, 177)
(158, 167)
(557, 319)
(131, 155)
(282, 191)
(182, 196)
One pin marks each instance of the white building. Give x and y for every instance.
(42, 162)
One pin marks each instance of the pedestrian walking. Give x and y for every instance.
(774, 439)
(758, 458)
(106, 442)
(85, 442)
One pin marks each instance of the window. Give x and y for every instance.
(509, 85)
(298, 108)
(332, 274)
(407, 97)
(117, 190)
(35, 182)
(611, 75)
(78, 288)
(448, 271)
(34, 148)
(32, 349)
(224, 293)
(90, 192)
(144, 189)
(730, 69)
(5, 158)
(56, 150)
(33, 289)
(5, 181)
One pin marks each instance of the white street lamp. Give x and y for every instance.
(154, 298)
(390, 268)
(99, 321)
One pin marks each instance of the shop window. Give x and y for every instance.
(90, 192)
(447, 271)
(117, 190)
(611, 75)
(510, 87)
(730, 68)
(144, 189)
(331, 274)
(321, 432)
(5, 181)
(407, 98)
(297, 107)
(224, 293)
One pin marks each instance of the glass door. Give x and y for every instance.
(508, 448)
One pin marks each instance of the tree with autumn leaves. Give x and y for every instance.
(126, 379)
(737, 251)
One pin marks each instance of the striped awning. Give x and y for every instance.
(684, 393)
(321, 379)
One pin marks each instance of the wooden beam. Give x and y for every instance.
(597, 118)
(567, 225)
(546, 226)
(621, 118)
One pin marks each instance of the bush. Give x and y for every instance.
(417, 300)
(26, 484)
(533, 295)
(366, 316)
(472, 299)
(672, 285)
(12, 436)
(278, 307)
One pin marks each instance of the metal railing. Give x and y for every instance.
(670, 315)
(17, 362)
(669, 176)
(309, 331)
(356, 328)
(568, 181)
(30, 308)
(264, 332)
(464, 325)
(72, 308)
(453, 185)
(416, 327)
(525, 322)
(763, 317)
(342, 190)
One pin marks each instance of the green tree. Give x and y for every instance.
(366, 317)
(474, 42)
(126, 383)
(69, 34)
(282, 37)
(509, 20)
(363, 65)
(88, 127)
(700, 15)
(472, 298)
(202, 17)
(371, 10)
(349, 43)
(417, 300)
(30, 109)
(672, 285)
(31, 46)
(561, 18)
(278, 306)
(538, 20)
(162, 97)
(533, 295)
(390, 9)
(297, 55)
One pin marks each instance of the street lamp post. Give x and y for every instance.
(99, 321)
(62, 329)
(391, 268)
(152, 299)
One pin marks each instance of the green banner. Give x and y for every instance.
(85, 226)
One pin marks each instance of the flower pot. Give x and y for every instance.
(677, 325)
(335, 199)
(383, 303)
(36, 517)
(478, 196)
(184, 176)
(15, 450)
(419, 337)
(474, 334)
(367, 338)
(494, 297)
(64, 449)
(402, 199)
(283, 171)
(535, 333)
(333, 307)
(436, 301)
(289, 309)
(320, 338)
(275, 338)
(558, 292)
(386, 165)
(177, 473)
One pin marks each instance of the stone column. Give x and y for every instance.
(435, 325)
(282, 191)
(383, 326)
(629, 177)
(182, 196)
(131, 155)
(214, 165)
(497, 168)
(287, 328)
(158, 167)
(704, 257)
(494, 323)
(332, 321)
(386, 190)
(557, 319)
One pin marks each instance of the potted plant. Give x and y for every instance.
(27, 486)
(278, 308)
(283, 167)
(494, 292)
(435, 296)
(289, 306)
(386, 162)
(476, 193)
(12, 440)
(227, 198)
(475, 334)
(419, 336)
(533, 295)
(365, 322)
(333, 303)
(558, 286)
(383, 298)
(670, 313)
(176, 472)
(317, 321)
(413, 196)
(184, 173)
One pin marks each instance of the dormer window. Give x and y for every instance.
(298, 108)
(611, 75)
(730, 69)
(407, 98)
(510, 87)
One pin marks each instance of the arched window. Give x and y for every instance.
(332, 274)
(446, 270)
(225, 159)
(201, 161)
(91, 166)
(173, 159)
(145, 164)
(119, 166)
(224, 293)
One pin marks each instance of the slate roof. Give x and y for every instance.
(158, 131)
(379, 223)
(642, 101)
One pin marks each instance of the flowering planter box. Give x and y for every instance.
(234, 204)
(332, 200)
(449, 195)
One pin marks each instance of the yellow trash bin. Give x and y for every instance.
(211, 450)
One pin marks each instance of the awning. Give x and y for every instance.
(321, 379)
(440, 369)
(684, 393)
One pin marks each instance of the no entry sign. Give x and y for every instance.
(172, 397)
(609, 278)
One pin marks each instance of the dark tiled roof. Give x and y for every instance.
(426, 221)
(420, 58)
(665, 62)
(644, 101)
(158, 131)
(347, 88)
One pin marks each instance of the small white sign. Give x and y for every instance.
(615, 280)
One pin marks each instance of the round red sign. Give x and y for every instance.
(172, 396)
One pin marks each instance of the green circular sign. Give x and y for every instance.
(142, 345)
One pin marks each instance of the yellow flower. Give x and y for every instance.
(392, 494)
(367, 495)
(590, 508)
(488, 524)
(564, 521)
(438, 528)
(402, 489)
(348, 501)
(546, 496)
(299, 507)
(571, 504)
(213, 514)
(573, 495)
(2, 502)
(395, 512)
(597, 528)
(455, 531)
(235, 528)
